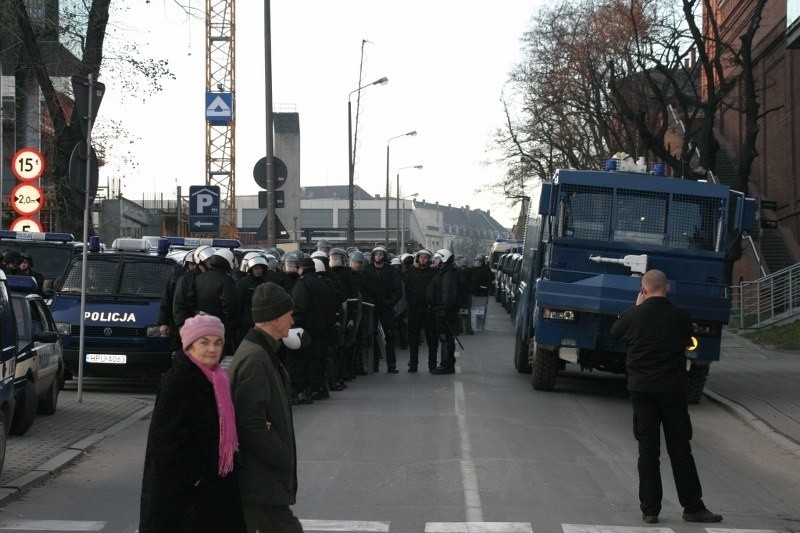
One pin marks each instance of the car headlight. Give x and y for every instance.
(64, 328)
(154, 331)
(554, 314)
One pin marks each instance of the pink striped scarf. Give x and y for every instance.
(228, 440)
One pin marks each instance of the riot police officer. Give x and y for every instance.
(388, 291)
(443, 297)
(254, 270)
(420, 314)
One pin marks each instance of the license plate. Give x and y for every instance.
(106, 358)
(478, 311)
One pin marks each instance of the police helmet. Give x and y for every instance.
(188, 258)
(406, 256)
(272, 261)
(357, 257)
(396, 261)
(202, 253)
(257, 260)
(319, 266)
(461, 262)
(380, 248)
(290, 262)
(424, 251)
(228, 256)
(245, 265)
(275, 252)
(444, 255)
(25, 256)
(11, 257)
(319, 254)
(338, 257)
(323, 245)
(481, 258)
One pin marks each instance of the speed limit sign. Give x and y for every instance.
(27, 164)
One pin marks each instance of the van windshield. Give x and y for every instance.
(117, 275)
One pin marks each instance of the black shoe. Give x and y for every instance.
(702, 516)
(412, 369)
(320, 395)
(392, 370)
(443, 370)
(650, 519)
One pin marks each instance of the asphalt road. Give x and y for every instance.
(478, 451)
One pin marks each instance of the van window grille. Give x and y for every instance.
(641, 217)
(584, 212)
(148, 279)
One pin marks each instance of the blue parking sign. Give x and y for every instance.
(204, 208)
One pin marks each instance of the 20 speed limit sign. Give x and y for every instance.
(27, 164)
(27, 199)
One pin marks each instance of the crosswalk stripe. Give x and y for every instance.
(724, 530)
(587, 528)
(50, 525)
(344, 525)
(478, 527)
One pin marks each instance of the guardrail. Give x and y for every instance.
(765, 301)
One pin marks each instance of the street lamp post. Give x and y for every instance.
(402, 223)
(351, 162)
(399, 218)
(409, 134)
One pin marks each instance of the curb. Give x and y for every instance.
(16, 487)
(754, 422)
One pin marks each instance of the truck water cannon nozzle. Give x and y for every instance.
(637, 263)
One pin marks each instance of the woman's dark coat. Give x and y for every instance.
(182, 448)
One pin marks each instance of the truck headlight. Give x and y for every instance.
(64, 328)
(553, 314)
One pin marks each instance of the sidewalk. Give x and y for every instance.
(760, 386)
(54, 442)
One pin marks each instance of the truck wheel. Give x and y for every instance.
(48, 404)
(521, 361)
(545, 368)
(695, 381)
(25, 410)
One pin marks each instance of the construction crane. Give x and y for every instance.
(221, 137)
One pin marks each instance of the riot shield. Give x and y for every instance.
(353, 313)
(478, 312)
(367, 332)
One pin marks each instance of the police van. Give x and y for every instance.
(8, 363)
(124, 284)
(51, 252)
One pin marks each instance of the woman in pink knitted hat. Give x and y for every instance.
(189, 484)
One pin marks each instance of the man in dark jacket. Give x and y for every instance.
(312, 307)
(443, 298)
(261, 392)
(215, 294)
(388, 291)
(656, 333)
(166, 320)
(245, 288)
(420, 315)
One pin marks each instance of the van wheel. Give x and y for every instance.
(3, 433)
(695, 382)
(521, 361)
(25, 410)
(545, 368)
(48, 404)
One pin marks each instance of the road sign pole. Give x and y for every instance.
(81, 343)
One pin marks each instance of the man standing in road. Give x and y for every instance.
(656, 333)
(261, 393)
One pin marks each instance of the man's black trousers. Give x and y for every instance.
(651, 411)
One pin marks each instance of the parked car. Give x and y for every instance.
(40, 363)
(8, 361)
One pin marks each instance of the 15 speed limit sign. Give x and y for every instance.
(27, 199)
(27, 164)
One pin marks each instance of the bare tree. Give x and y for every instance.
(82, 31)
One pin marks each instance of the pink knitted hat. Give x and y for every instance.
(200, 326)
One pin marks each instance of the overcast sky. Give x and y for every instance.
(447, 62)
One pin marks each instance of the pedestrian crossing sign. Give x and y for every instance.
(219, 107)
